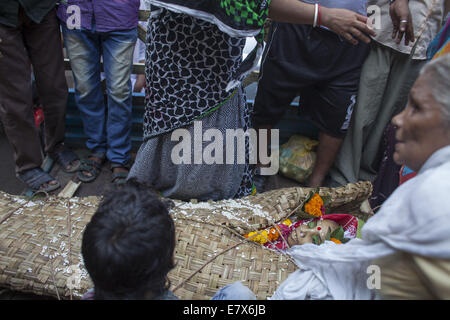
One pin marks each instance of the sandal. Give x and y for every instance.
(119, 177)
(65, 157)
(92, 167)
(36, 179)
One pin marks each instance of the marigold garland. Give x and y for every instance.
(271, 234)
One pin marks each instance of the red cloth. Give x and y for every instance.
(38, 116)
(405, 174)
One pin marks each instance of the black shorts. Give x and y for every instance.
(315, 64)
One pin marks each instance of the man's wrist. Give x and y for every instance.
(324, 15)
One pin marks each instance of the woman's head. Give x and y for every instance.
(424, 126)
(129, 243)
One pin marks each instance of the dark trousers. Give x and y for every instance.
(38, 45)
(316, 64)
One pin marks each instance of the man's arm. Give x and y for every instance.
(344, 22)
(402, 21)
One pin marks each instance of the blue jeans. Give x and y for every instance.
(234, 291)
(109, 132)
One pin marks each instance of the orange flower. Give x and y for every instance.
(273, 234)
(314, 206)
(336, 241)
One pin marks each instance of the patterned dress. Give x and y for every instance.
(193, 73)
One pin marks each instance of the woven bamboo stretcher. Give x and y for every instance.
(40, 242)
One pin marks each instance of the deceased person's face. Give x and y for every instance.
(421, 127)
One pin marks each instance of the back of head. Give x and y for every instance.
(128, 245)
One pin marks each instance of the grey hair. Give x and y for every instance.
(439, 72)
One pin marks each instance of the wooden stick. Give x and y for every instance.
(70, 189)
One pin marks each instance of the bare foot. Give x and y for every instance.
(73, 164)
(120, 169)
(47, 184)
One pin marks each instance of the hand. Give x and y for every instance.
(140, 83)
(347, 23)
(402, 21)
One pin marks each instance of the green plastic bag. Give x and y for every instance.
(297, 158)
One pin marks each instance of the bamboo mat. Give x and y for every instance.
(40, 242)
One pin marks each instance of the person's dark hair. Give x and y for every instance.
(129, 243)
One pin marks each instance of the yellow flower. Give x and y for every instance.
(260, 238)
(271, 234)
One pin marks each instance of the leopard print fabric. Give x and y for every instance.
(189, 63)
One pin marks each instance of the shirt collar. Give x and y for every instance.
(438, 158)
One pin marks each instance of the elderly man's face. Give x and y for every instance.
(422, 128)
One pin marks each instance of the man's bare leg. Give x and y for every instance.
(327, 151)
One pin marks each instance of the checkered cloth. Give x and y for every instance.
(251, 13)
